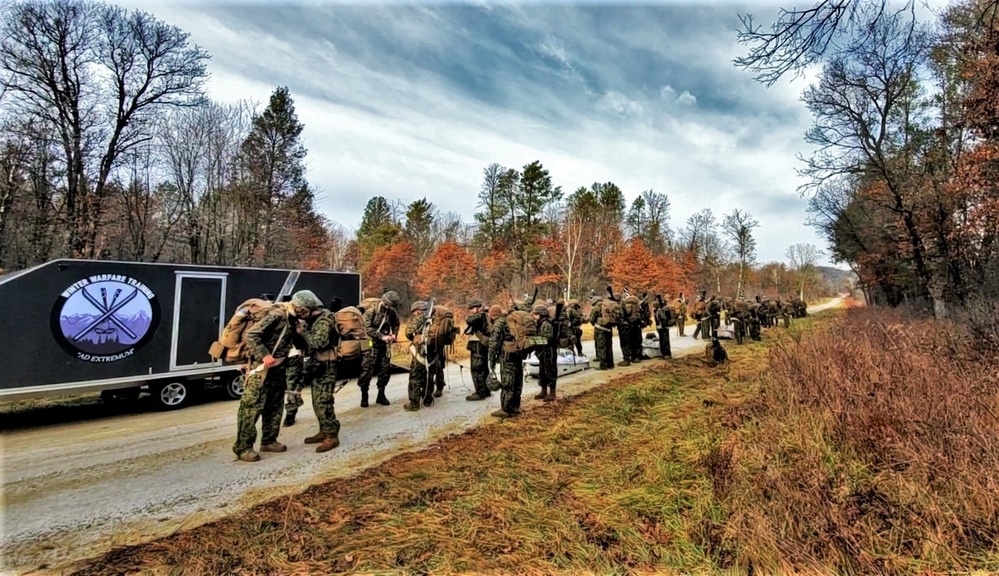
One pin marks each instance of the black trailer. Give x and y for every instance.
(76, 326)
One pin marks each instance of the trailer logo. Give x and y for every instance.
(105, 318)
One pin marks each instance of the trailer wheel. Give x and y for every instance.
(234, 389)
(172, 395)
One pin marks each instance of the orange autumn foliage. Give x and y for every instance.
(449, 274)
(391, 267)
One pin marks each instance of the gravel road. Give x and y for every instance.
(73, 491)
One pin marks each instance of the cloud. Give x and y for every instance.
(414, 101)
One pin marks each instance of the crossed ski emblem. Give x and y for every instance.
(108, 311)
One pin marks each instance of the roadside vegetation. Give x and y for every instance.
(871, 453)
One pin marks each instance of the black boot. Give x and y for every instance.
(381, 398)
(289, 419)
(364, 397)
(543, 394)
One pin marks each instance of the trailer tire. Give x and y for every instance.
(171, 395)
(120, 395)
(234, 388)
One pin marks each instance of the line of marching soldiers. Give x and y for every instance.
(275, 340)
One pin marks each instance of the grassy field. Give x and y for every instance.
(619, 479)
(877, 453)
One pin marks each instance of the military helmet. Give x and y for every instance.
(418, 305)
(594, 300)
(475, 303)
(391, 298)
(540, 309)
(495, 311)
(306, 299)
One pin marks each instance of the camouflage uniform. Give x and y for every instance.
(511, 370)
(264, 389)
(418, 376)
(714, 314)
(574, 317)
(323, 337)
(680, 313)
(700, 314)
(602, 338)
(755, 313)
(547, 355)
(379, 321)
(635, 332)
(295, 371)
(663, 317)
(477, 327)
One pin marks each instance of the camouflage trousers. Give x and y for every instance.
(664, 346)
(437, 370)
(378, 363)
(603, 341)
(512, 377)
(754, 329)
(680, 325)
(322, 378)
(703, 329)
(295, 370)
(480, 370)
(624, 339)
(577, 340)
(548, 367)
(262, 396)
(635, 339)
(418, 382)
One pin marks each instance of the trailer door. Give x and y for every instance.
(198, 317)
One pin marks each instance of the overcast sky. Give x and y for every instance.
(414, 101)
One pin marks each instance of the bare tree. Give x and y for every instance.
(567, 236)
(98, 74)
(738, 226)
(338, 245)
(803, 258)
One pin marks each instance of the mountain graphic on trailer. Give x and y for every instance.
(107, 338)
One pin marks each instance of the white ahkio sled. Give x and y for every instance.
(650, 345)
(568, 363)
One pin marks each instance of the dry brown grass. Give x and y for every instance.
(613, 481)
(874, 448)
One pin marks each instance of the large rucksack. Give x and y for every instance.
(699, 309)
(353, 337)
(610, 313)
(524, 331)
(368, 304)
(231, 345)
(441, 330)
(632, 308)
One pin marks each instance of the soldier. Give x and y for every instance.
(418, 375)
(547, 355)
(382, 325)
(664, 317)
(574, 316)
(786, 312)
(680, 314)
(322, 339)
(477, 327)
(714, 315)
(623, 336)
(700, 313)
(269, 342)
(602, 336)
(636, 328)
(512, 367)
(755, 317)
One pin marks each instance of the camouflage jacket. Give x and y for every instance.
(322, 335)
(574, 316)
(263, 337)
(664, 315)
(594, 316)
(546, 330)
(414, 328)
(477, 327)
(381, 321)
(499, 334)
